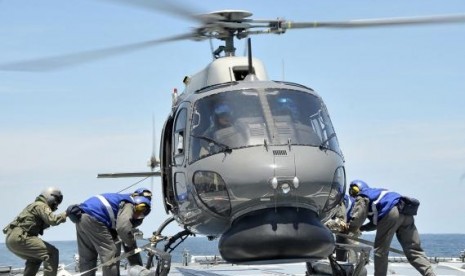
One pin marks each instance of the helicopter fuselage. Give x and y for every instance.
(253, 162)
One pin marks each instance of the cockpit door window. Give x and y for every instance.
(178, 137)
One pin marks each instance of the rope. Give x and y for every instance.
(394, 250)
(132, 185)
(116, 259)
(125, 255)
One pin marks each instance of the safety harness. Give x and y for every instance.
(109, 210)
(374, 210)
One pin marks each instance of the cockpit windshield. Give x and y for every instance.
(242, 118)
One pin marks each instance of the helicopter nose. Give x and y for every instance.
(284, 185)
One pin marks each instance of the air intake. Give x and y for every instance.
(280, 152)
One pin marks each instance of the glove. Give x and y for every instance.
(337, 225)
(344, 227)
(157, 238)
(74, 213)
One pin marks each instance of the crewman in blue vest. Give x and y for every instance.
(389, 213)
(105, 219)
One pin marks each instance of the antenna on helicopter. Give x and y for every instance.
(250, 70)
(174, 96)
(153, 161)
(249, 48)
(283, 72)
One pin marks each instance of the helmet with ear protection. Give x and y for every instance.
(142, 206)
(53, 196)
(356, 186)
(143, 192)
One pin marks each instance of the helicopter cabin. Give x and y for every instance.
(222, 70)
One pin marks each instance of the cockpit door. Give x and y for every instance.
(179, 137)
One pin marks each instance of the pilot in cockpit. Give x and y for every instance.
(287, 106)
(222, 116)
(290, 123)
(223, 130)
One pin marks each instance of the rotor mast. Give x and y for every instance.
(226, 25)
(229, 49)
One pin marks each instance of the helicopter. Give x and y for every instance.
(271, 209)
(281, 127)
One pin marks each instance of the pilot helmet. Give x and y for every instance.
(287, 106)
(143, 192)
(356, 186)
(222, 111)
(142, 207)
(53, 196)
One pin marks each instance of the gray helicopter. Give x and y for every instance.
(253, 162)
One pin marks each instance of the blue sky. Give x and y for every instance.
(395, 95)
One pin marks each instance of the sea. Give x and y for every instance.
(435, 245)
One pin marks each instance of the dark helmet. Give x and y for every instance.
(142, 206)
(356, 186)
(143, 192)
(53, 196)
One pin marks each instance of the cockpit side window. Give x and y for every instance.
(179, 133)
(291, 111)
(301, 118)
(224, 121)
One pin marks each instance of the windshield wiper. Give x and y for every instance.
(322, 145)
(224, 148)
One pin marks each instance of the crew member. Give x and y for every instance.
(105, 219)
(338, 224)
(22, 234)
(222, 117)
(223, 133)
(389, 213)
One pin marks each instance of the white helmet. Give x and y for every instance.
(53, 196)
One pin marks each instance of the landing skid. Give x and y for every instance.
(332, 267)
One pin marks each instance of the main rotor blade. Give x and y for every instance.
(68, 60)
(437, 19)
(170, 7)
(133, 174)
(156, 6)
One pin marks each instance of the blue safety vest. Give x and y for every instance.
(381, 202)
(105, 207)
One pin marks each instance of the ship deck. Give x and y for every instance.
(452, 267)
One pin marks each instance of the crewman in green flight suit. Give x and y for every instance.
(22, 233)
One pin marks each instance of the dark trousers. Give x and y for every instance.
(95, 240)
(34, 251)
(403, 226)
